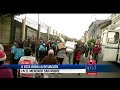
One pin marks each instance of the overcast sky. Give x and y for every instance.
(72, 25)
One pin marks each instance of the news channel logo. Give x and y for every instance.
(91, 69)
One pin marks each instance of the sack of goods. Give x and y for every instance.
(61, 45)
(70, 45)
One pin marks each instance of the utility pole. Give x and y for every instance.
(59, 34)
(23, 27)
(56, 34)
(48, 32)
(62, 34)
(53, 33)
(38, 36)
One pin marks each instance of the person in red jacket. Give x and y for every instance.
(4, 71)
(95, 51)
(91, 60)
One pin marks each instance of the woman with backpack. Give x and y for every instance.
(42, 51)
(61, 52)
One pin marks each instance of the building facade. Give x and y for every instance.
(115, 24)
(95, 29)
(115, 21)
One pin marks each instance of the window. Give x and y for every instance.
(113, 37)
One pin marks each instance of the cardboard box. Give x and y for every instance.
(61, 45)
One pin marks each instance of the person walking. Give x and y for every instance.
(33, 47)
(77, 55)
(42, 51)
(83, 50)
(29, 59)
(12, 51)
(50, 59)
(18, 53)
(69, 52)
(95, 52)
(61, 52)
(54, 47)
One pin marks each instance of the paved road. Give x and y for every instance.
(100, 75)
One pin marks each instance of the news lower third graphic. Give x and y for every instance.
(53, 69)
(91, 69)
(65, 68)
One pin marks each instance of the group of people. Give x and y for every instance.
(46, 53)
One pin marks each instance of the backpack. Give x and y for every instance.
(54, 45)
(83, 49)
(42, 48)
(78, 55)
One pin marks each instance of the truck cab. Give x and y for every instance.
(111, 46)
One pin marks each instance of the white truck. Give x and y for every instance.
(111, 44)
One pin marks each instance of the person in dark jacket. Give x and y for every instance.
(76, 50)
(50, 59)
(28, 42)
(86, 50)
(33, 47)
(83, 51)
(48, 44)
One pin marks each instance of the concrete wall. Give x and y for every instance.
(18, 30)
(5, 27)
(31, 33)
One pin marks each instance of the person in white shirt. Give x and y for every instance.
(70, 46)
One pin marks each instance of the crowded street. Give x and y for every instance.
(51, 39)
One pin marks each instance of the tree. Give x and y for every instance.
(91, 42)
